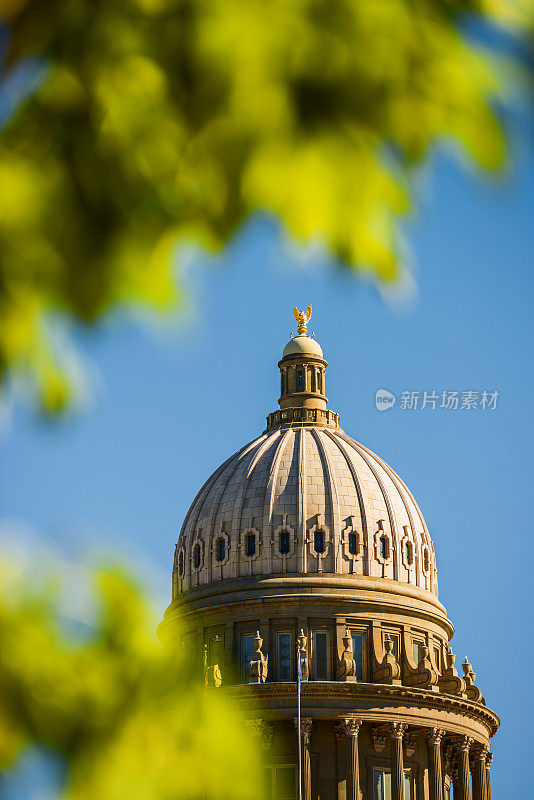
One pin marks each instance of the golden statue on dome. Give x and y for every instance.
(302, 317)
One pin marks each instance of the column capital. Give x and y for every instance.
(397, 729)
(464, 743)
(479, 751)
(489, 758)
(347, 726)
(306, 724)
(435, 735)
(262, 731)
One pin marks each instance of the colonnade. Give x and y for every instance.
(312, 379)
(462, 759)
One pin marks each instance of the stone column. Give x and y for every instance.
(479, 772)
(348, 762)
(341, 759)
(353, 758)
(305, 736)
(435, 776)
(489, 759)
(397, 760)
(462, 784)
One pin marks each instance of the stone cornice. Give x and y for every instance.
(359, 591)
(383, 697)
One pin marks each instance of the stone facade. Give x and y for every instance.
(307, 548)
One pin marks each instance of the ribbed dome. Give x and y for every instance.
(312, 485)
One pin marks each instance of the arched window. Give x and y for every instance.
(220, 549)
(426, 560)
(283, 542)
(181, 563)
(353, 544)
(250, 545)
(318, 542)
(196, 556)
(408, 553)
(384, 547)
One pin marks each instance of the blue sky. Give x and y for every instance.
(170, 402)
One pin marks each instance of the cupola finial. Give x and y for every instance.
(302, 317)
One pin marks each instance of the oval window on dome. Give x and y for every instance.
(220, 549)
(384, 547)
(318, 542)
(283, 542)
(196, 556)
(353, 544)
(250, 545)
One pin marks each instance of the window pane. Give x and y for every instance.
(407, 786)
(286, 783)
(357, 651)
(220, 549)
(320, 656)
(284, 542)
(215, 647)
(268, 783)
(381, 785)
(283, 656)
(247, 651)
(250, 548)
(318, 541)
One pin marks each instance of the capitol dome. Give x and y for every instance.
(304, 585)
(304, 498)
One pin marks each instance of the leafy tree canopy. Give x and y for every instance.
(156, 121)
(127, 717)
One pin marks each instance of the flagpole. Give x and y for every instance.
(299, 680)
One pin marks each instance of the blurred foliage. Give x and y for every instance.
(128, 716)
(159, 121)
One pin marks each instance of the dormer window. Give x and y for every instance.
(408, 553)
(384, 547)
(426, 561)
(196, 556)
(181, 564)
(283, 542)
(353, 544)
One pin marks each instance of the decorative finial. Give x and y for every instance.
(302, 318)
